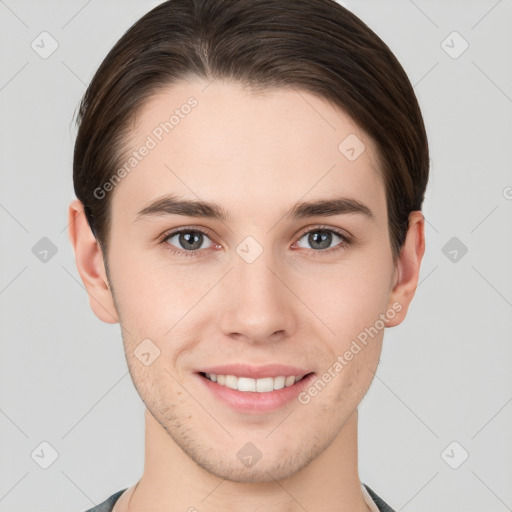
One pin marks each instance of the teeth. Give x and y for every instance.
(264, 385)
(245, 384)
(231, 382)
(289, 381)
(279, 382)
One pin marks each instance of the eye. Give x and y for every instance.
(188, 241)
(321, 238)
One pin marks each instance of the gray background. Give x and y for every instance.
(444, 374)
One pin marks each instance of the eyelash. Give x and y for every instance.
(346, 240)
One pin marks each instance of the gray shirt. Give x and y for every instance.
(109, 503)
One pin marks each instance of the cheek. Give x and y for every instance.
(157, 387)
(348, 299)
(358, 376)
(151, 295)
(158, 310)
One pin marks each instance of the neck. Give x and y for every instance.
(172, 481)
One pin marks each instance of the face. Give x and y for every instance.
(248, 283)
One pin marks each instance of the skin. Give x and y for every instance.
(256, 154)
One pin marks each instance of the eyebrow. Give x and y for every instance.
(174, 205)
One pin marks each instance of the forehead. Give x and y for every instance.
(245, 149)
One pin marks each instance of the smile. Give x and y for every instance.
(261, 395)
(264, 385)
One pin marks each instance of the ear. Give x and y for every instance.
(90, 265)
(408, 268)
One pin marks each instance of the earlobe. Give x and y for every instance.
(90, 264)
(408, 268)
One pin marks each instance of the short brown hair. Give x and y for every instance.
(314, 45)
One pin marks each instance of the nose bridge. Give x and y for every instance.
(259, 304)
(255, 277)
(257, 286)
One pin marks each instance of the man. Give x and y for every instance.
(249, 180)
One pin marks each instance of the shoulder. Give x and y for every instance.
(108, 504)
(381, 504)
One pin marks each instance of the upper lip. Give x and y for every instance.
(255, 372)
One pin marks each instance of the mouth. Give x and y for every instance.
(267, 391)
(248, 384)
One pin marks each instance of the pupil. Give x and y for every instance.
(324, 239)
(190, 239)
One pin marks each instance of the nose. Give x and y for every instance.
(257, 306)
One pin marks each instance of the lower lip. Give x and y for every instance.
(253, 401)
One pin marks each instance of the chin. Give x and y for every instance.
(264, 473)
(277, 464)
